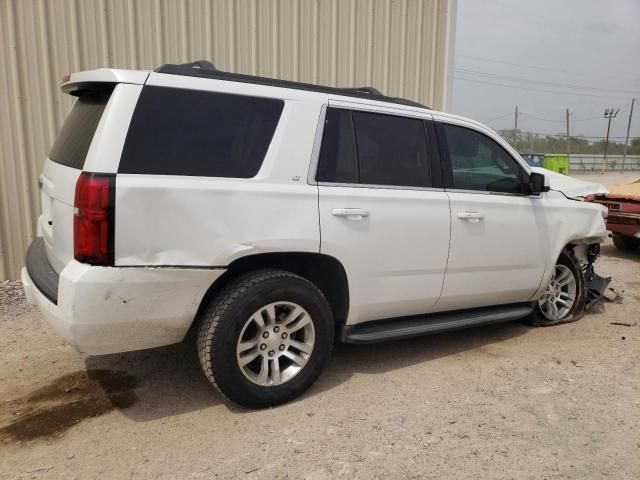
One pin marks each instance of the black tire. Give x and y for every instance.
(622, 242)
(538, 319)
(223, 320)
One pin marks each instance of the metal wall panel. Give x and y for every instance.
(398, 46)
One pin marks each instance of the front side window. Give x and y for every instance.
(197, 133)
(479, 163)
(373, 149)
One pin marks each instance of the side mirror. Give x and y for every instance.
(538, 183)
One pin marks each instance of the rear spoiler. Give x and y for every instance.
(74, 83)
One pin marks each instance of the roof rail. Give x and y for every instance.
(203, 68)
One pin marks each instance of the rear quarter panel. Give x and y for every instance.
(208, 221)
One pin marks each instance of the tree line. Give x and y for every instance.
(528, 142)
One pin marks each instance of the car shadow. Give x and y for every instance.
(170, 381)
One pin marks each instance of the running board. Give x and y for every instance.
(406, 327)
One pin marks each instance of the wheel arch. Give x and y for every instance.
(579, 247)
(324, 271)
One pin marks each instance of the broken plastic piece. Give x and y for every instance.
(596, 287)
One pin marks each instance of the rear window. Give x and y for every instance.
(187, 132)
(74, 140)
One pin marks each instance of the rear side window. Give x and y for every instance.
(337, 161)
(373, 149)
(74, 140)
(187, 132)
(391, 150)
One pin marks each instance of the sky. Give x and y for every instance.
(546, 56)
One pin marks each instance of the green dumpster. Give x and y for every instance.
(557, 163)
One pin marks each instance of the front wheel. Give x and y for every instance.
(564, 298)
(265, 338)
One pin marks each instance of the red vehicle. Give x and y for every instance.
(624, 213)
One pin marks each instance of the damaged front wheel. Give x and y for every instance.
(563, 300)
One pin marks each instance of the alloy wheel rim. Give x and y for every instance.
(275, 343)
(560, 295)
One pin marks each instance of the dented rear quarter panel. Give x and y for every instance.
(207, 221)
(171, 221)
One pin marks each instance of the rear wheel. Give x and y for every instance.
(564, 298)
(265, 338)
(622, 242)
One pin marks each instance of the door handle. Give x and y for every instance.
(473, 217)
(350, 213)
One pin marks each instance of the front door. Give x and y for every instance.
(498, 232)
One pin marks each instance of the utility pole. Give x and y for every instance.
(568, 137)
(515, 128)
(608, 113)
(626, 141)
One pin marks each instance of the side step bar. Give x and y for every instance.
(406, 327)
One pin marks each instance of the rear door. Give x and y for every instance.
(499, 233)
(383, 213)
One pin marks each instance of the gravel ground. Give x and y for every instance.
(505, 401)
(12, 300)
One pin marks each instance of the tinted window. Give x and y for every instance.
(388, 150)
(391, 150)
(337, 161)
(479, 163)
(74, 140)
(187, 132)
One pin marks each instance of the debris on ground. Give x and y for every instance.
(612, 296)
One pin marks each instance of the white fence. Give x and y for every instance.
(587, 163)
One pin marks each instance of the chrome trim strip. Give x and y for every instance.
(483, 192)
(388, 187)
(382, 109)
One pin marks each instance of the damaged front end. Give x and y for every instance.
(596, 285)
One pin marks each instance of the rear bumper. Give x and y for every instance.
(103, 310)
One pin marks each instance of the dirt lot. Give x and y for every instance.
(506, 401)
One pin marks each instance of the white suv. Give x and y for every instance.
(270, 217)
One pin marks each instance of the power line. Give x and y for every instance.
(548, 69)
(560, 121)
(540, 118)
(497, 118)
(509, 78)
(590, 118)
(546, 119)
(537, 89)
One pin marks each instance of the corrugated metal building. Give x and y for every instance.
(402, 47)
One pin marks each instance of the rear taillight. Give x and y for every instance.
(93, 220)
